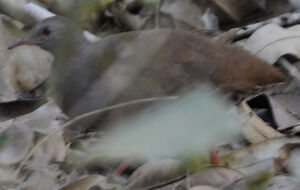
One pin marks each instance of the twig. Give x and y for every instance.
(139, 101)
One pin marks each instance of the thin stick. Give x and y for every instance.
(133, 102)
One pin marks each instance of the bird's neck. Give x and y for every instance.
(71, 45)
(68, 62)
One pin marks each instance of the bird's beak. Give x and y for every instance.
(21, 42)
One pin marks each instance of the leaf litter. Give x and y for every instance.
(170, 146)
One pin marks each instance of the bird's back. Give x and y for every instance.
(152, 63)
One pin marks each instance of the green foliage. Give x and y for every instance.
(186, 129)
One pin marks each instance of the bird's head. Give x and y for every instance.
(51, 33)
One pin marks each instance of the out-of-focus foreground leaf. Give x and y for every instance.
(189, 126)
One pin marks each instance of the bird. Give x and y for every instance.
(133, 65)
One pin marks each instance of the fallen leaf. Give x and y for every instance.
(204, 187)
(7, 174)
(257, 153)
(215, 176)
(8, 33)
(52, 150)
(46, 119)
(235, 10)
(41, 179)
(155, 173)
(283, 182)
(10, 110)
(90, 181)
(16, 143)
(270, 42)
(27, 67)
(20, 70)
(290, 102)
(257, 130)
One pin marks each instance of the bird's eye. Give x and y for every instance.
(46, 31)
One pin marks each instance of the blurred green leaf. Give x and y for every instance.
(182, 129)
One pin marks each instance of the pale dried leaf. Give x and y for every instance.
(85, 183)
(204, 187)
(45, 119)
(256, 153)
(27, 67)
(283, 183)
(17, 142)
(54, 149)
(41, 179)
(256, 130)
(8, 33)
(272, 41)
(7, 174)
(155, 173)
(216, 177)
